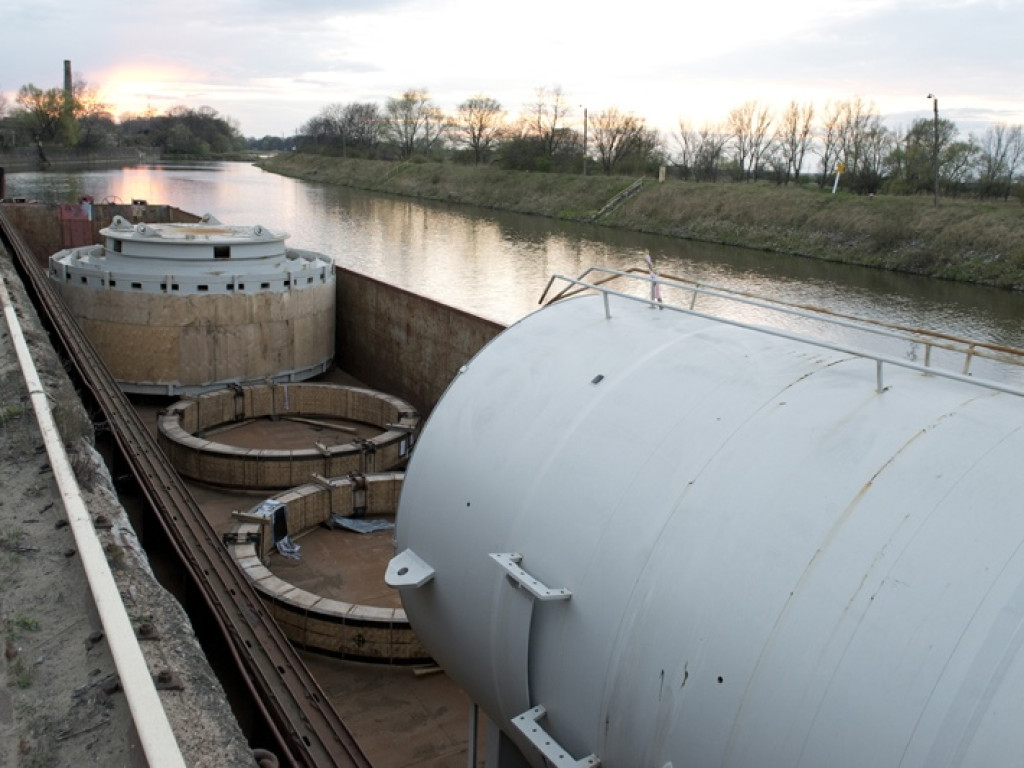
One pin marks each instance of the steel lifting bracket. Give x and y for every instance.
(407, 569)
(528, 725)
(509, 561)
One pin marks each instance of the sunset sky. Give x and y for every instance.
(272, 64)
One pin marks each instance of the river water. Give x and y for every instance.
(497, 264)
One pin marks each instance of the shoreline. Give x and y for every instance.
(961, 240)
(26, 159)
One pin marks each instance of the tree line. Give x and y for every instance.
(799, 143)
(545, 136)
(77, 118)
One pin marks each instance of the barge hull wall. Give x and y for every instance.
(35, 223)
(399, 342)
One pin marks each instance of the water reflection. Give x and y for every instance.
(497, 264)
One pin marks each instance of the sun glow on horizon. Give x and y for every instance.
(146, 90)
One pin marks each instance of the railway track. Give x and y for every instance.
(303, 727)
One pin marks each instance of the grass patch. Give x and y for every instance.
(10, 411)
(20, 674)
(19, 625)
(26, 624)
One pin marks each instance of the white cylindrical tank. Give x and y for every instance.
(656, 539)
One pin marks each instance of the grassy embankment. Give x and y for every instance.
(966, 240)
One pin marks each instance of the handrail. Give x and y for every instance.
(618, 199)
(929, 340)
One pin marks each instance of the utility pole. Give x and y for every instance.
(584, 141)
(935, 145)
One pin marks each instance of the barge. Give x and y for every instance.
(609, 592)
(409, 714)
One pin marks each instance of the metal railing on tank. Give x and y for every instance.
(928, 352)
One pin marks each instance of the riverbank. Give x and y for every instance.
(964, 240)
(64, 159)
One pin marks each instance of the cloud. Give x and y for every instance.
(272, 64)
(959, 49)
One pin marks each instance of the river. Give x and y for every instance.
(497, 264)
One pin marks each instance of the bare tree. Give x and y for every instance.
(761, 143)
(617, 134)
(831, 130)
(361, 125)
(737, 123)
(480, 122)
(750, 127)
(545, 119)
(853, 135)
(858, 121)
(701, 150)
(688, 143)
(324, 127)
(877, 144)
(412, 122)
(95, 122)
(650, 148)
(793, 139)
(777, 163)
(437, 129)
(711, 141)
(999, 156)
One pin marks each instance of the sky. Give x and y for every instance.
(271, 65)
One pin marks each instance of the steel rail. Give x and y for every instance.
(305, 727)
(1009, 355)
(928, 338)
